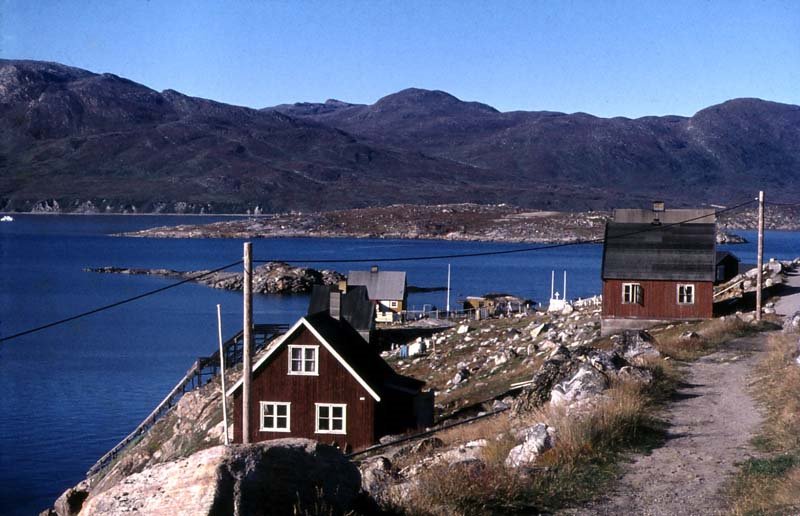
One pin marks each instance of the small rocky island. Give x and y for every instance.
(270, 278)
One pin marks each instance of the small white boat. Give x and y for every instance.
(7, 218)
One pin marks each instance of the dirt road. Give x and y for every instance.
(711, 422)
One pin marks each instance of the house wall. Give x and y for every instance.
(660, 300)
(334, 384)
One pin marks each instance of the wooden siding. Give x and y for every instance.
(333, 385)
(660, 300)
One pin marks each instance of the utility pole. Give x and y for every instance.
(760, 276)
(222, 375)
(247, 344)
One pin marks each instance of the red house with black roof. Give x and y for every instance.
(658, 266)
(322, 381)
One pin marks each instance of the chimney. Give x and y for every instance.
(334, 308)
(373, 269)
(658, 208)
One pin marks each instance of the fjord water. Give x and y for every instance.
(69, 393)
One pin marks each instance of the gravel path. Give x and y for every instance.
(789, 303)
(711, 422)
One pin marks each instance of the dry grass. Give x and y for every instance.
(712, 334)
(771, 484)
(587, 446)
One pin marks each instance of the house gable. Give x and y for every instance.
(288, 338)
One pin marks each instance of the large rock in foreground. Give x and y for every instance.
(284, 476)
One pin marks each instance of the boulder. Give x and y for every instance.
(536, 439)
(586, 383)
(637, 345)
(462, 329)
(460, 376)
(71, 502)
(558, 366)
(537, 330)
(377, 477)
(288, 476)
(635, 374)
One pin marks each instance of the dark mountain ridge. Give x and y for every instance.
(73, 140)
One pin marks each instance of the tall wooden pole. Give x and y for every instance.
(760, 276)
(247, 345)
(222, 376)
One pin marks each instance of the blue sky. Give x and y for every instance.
(608, 58)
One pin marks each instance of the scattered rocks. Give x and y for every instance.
(791, 324)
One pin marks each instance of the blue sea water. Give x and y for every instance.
(69, 393)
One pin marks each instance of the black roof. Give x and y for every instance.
(721, 255)
(356, 308)
(361, 356)
(669, 252)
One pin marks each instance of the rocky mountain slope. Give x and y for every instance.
(77, 141)
(734, 147)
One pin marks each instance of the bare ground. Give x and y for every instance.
(711, 422)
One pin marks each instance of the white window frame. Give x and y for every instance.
(304, 361)
(393, 304)
(263, 405)
(689, 292)
(330, 406)
(635, 294)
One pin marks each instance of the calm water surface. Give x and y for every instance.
(73, 391)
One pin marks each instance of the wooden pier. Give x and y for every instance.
(202, 371)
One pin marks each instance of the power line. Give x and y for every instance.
(355, 260)
(505, 251)
(117, 303)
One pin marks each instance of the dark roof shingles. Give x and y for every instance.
(685, 252)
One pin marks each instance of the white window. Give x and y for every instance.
(275, 416)
(685, 294)
(393, 304)
(331, 418)
(303, 360)
(631, 293)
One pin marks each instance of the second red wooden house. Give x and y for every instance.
(322, 381)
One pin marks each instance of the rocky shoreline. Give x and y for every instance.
(456, 222)
(270, 278)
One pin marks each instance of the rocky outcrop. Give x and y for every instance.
(285, 476)
(569, 377)
(724, 237)
(270, 278)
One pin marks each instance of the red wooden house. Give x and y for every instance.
(658, 271)
(322, 381)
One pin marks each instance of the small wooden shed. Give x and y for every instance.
(322, 381)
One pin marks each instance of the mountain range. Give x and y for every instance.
(74, 140)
